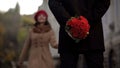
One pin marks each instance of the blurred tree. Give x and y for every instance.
(21, 38)
(2, 32)
(13, 30)
(27, 21)
(10, 20)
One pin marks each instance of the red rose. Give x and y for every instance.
(78, 28)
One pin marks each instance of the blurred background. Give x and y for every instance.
(16, 17)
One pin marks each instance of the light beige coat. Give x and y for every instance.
(38, 46)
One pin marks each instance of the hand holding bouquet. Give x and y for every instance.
(77, 28)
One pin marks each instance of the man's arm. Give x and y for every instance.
(100, 8)
(59, 11)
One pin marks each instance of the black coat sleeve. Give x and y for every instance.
(100, 8)
(59, 11)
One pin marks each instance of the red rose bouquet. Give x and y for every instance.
(77, 28)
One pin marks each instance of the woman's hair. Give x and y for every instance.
(38, 23)
(45, 28)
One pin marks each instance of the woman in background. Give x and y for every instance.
(37, 43)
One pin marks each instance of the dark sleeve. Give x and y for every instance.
(100, 8)
(59, 11)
